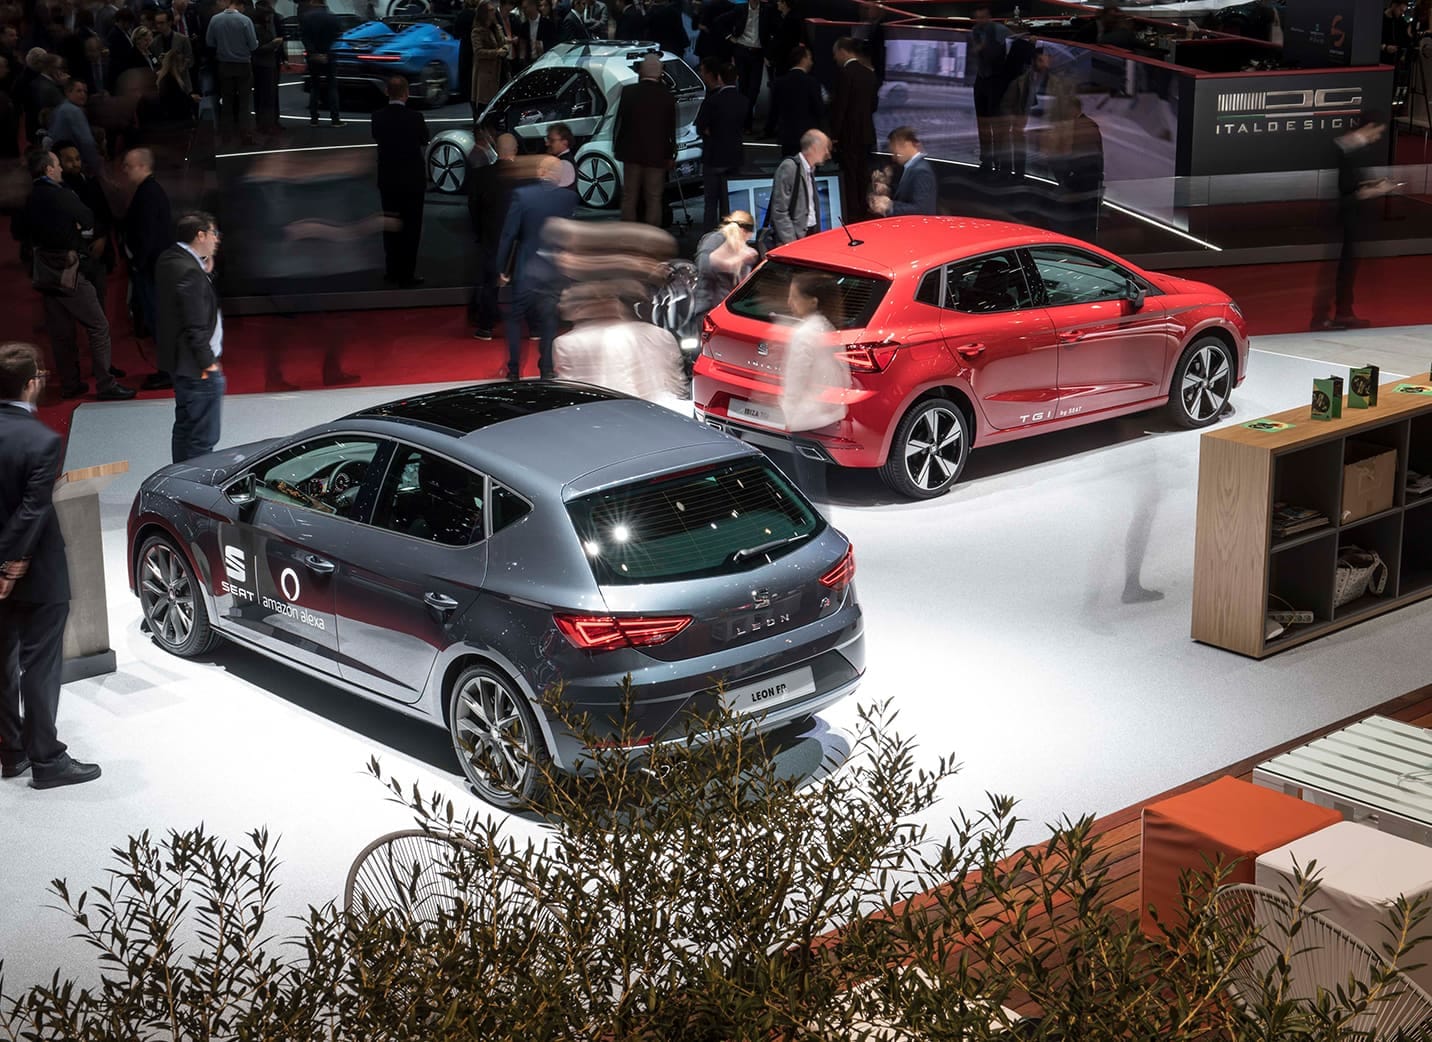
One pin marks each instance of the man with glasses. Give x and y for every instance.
(34, 582)
(191, 335)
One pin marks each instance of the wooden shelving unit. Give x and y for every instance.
(1238, 565)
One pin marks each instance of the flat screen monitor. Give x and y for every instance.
(753, 194)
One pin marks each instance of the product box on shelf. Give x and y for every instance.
(1327, 398)
(1369, 480)
(1362, 388)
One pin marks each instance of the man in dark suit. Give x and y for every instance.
(794, 209)
(532, 36)
(34, 582)
(319, 29)
(148, 232)
(56, 223)
(490, 187)
(915, 191)
(644, 142)
(402, 134)
(98, 260)
(191, 335)
(852, 125)
(719, 122)
(665, 25)
(796, 102)
(630, 20)
(535, 280)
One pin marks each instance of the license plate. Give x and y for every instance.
(773, 691)
(755, 412)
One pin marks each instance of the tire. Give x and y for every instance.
(929, 450)
(430, 88)
(496, 738)
(1202, 383)
(598, 183)
(170, 598)
(447, 168)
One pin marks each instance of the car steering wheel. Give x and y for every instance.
(299, 494)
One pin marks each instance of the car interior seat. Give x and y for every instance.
(990, 290)
(447, 507)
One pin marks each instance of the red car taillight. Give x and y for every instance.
(605, 632)
(868, 358)
(708, 328)
(841, 576)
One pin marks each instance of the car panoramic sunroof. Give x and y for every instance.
(463, 410)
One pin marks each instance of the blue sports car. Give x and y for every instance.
(424, 53)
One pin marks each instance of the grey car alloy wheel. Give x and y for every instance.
(166, 595)
(597, 183)
(495, 737)
(447, 167)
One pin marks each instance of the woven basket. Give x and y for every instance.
(1359, 571)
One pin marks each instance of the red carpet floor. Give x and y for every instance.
(306, 352)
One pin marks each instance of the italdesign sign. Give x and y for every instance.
(1296, 111)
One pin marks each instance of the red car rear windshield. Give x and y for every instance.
(763, 295)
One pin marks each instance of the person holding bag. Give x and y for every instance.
(59, 227)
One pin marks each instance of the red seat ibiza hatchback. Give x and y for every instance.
(962, 333)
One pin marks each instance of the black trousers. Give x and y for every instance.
(266, 97)
(236, 96)
(1337, 282)
(989, 94)
(716, 200)
(854, 165)
(31, 658)
(62, 312)
(322, 85)
(537, 307)
(482, 305)
(750, 68)
(400, 245)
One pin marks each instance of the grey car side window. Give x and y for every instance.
(1072, 276)
(428, 497)
(325, 475)
(980, 285)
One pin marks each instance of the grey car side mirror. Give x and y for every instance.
(1135, 294)
(243, 492)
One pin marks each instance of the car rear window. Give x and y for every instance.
(715, 520)
(763, 295)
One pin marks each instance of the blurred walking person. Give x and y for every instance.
(191, 335)
(644, 140)
(1357, 150)
(723, 259)
(816, 380)
(535, 281)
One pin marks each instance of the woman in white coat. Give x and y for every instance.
(816, 379)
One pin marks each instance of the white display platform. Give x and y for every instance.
(996, 623)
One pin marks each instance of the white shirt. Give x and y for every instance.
(812, 208)
(815, 381)
(29, 407)
(751, 34)
(216, 342)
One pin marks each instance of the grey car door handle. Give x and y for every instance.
(439, 601)
(321, 565)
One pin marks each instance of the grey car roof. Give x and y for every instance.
(556, 434)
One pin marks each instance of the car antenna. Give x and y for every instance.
(853, 240)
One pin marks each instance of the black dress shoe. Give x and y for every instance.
(72, 772)
(157, 382)
(74, 391)
(14, 770)
(313, 121)
(412, 283)
(117, 393)
(116, 372)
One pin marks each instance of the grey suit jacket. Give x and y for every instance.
(790, 201)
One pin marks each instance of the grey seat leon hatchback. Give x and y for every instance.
(457, 555)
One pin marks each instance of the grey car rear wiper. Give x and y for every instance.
(761, 548)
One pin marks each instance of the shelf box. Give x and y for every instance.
(1369, 480)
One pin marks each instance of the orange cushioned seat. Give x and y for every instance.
(1225, 820)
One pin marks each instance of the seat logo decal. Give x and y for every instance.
(234, 564)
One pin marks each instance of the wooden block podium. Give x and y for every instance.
(87, 651)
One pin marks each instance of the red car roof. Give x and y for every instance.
(891, 245)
